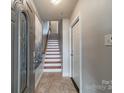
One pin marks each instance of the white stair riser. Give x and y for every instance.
(52, 70)
(53, 44)
(53, 40)
(52, 60)
(53, 56)
(52, 52)
(56, 64)
(52, 49)
(56, 47)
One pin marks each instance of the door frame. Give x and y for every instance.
(74, 23)
(77, 19)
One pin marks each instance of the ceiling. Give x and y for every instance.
(48, 11)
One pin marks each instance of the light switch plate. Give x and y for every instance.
(108, 40)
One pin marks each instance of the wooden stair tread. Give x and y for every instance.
(52, 67)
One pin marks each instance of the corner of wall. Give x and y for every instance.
(66, 63)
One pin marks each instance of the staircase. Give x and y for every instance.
(53, 60)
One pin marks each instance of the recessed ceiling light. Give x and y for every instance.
(55, 2)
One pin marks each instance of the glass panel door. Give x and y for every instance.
(23, 53)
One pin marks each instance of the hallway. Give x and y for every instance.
(61, 46)
(52, 80)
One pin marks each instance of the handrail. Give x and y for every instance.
(47, 39)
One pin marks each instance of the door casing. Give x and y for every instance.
(77, 20)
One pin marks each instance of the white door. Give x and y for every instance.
(76, 53)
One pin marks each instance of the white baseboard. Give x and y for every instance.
(66, 75)
(38, 79)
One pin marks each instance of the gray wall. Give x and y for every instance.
(38, 50)
(96, 21)
(54, 26)
(60, 33)
(65, 42)
(38, 34)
